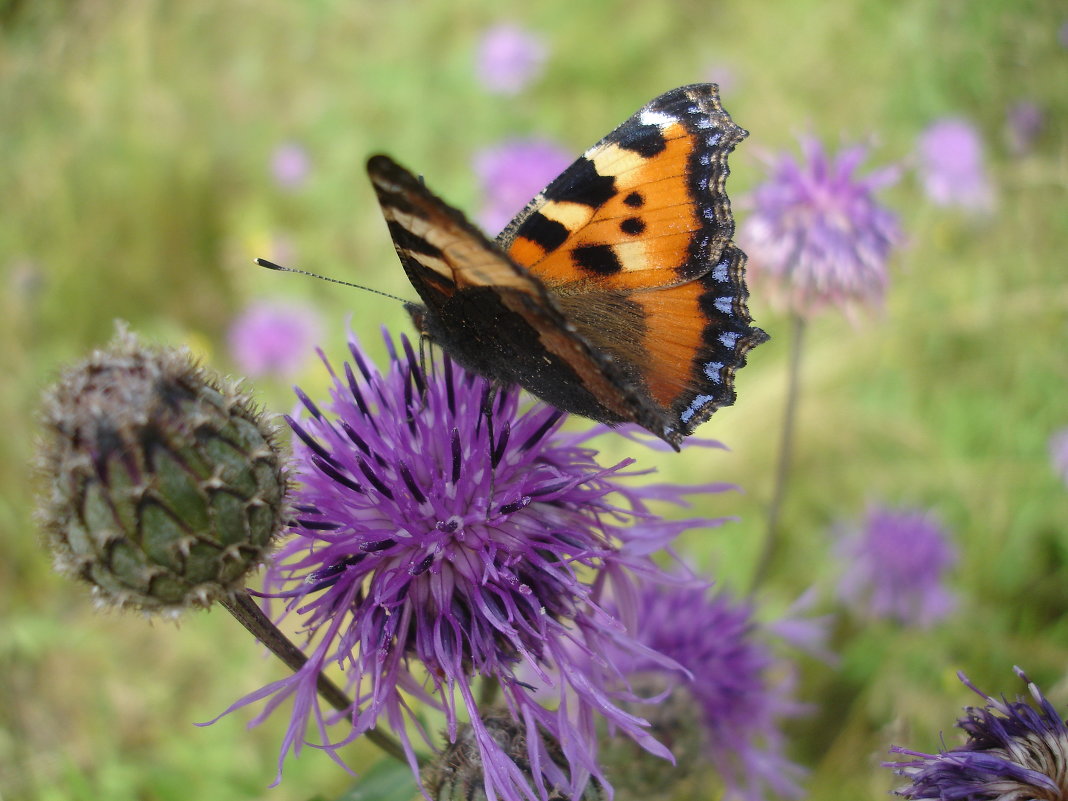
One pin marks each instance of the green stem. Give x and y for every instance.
(249, 615)
(488, 693)
(786, 450)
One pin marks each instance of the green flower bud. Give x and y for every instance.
(456, 775)
(676, 722)
(163, 485)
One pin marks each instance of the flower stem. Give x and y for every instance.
(488, 692)
(786, 449)
(249, 615)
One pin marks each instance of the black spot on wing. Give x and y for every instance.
(634, 200)
(413, 243)
(581, 183)
(547, 234)
(645, 140)
(600, 259)
(632, 226)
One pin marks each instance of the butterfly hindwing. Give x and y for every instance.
(616, 293)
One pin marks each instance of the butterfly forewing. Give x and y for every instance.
(489, 312)
(436, 238)
(644, 207)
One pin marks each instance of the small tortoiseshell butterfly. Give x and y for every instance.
(616, 294)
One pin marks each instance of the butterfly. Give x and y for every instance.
(616, 294)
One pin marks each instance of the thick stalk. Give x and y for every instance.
(249, 615)
(772, 534)
(488, 693)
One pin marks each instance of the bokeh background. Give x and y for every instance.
(152, 149)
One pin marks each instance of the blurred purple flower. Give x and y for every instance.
(432, 545)
(895, 567)
(1024, 121)
(729, 679)
(799, 629)
(273, 337)
(511, 174)
(290, 165)
(1015, 751)
(951, 167)
(1058, 452)
(509, 58)
(817, 236)
(1062, 34)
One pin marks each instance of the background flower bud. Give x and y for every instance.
(162, 485)
(457, 774)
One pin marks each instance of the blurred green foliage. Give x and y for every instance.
(135, 184)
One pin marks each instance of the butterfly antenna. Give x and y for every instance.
(270, 265)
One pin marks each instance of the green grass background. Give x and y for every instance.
(134, 184)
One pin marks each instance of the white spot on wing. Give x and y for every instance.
(657, 118)
(730, 338)
(721, 270)
(725, 304)
(712, 371)
(691, 410)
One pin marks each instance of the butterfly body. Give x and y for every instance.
(616, 294)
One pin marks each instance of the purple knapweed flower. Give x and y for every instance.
(1024, 120)
(817, 236)
(272, 337)
(511, 173)
(1016, 751)
(290, 165)
(950, 154)
(725, 668)
(443, 533)
(895, 566)
(509, 58)
(1058, 453)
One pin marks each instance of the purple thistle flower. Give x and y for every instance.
(817, 235)
(433, 545)
(895, 567)
(951, 166)
(273, 337)
(290, 165)
(1015, 751)
(509, 58)
(512, 173)
(1024, 121)
(725, 668)
(1058, 453)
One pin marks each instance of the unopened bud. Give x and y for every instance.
(456, 775)
(676, 722)
(163, 486)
